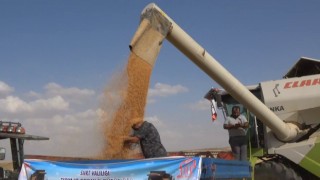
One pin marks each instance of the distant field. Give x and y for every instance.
(6, 165)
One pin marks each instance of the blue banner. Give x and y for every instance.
(170, 168)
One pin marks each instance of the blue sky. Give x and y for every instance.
(58, 56)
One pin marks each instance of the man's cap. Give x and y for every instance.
(136, 120)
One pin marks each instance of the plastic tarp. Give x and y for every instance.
(169, 168)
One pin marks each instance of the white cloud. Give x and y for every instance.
(54, 103)
(165, 90)
(55, 100)
(33, 94)
(75, 134)
(75, 131)
(201, 105)
(15, 105)
(73, 93)
(5, 89)
(151, 101)
(154, 120)
(54, 88)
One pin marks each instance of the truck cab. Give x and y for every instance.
(16, 134)
(224, 101)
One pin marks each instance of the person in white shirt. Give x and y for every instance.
(237, 126)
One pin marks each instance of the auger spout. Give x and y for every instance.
(155, 26)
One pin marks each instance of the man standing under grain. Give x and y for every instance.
(149, 138)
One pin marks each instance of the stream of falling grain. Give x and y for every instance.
(124, 99)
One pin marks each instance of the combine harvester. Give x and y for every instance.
(287, 139)
(284, 135)
(155, 26)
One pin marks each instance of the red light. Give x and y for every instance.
(20, 130)
(11, 127)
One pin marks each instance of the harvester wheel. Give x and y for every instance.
(274, 170)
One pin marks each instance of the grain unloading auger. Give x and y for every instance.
(155, 26)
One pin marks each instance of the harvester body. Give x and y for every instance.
(285, 119)
(295, 99)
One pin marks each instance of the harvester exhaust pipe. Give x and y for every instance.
(156, 25)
